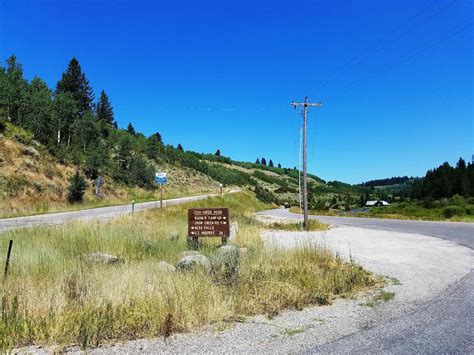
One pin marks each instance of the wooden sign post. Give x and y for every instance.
(208, 222)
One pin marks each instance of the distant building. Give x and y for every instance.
(376, 203)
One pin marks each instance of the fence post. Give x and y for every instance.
(5, 274)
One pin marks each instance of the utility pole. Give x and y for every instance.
(305, 106)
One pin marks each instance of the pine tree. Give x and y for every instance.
(264, 162)
(257, 161)
(217, 153)
(131, 129)
(105, 114)
(279, 165)
(154, 146)
(14, 95)
(270, 164)
(180, 147)
(77, 188)
(74, 81)
(461, 185)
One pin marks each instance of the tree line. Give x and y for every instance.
(446, 181)
(386, 182)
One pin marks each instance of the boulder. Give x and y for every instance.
(191, 262)
(226, 262)
(103, 258)
(163, 266)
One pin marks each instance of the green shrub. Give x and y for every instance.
(458, 200)
(451, 211)
(470, 209)
(77, 188)
(19, 134)
(263, 195)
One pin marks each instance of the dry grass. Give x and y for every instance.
(55, 296)
(33, 182)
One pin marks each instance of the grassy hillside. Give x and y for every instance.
(33, 181)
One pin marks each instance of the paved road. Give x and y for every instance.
(458, 232)
(93, 213)
(443, 325)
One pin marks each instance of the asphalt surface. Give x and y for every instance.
(445, 324)
(93, 213)
(458, 232)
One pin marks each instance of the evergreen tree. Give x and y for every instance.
(279, 165)
(14, 98)
(257, 161)
(180, 147)
(77, 188)
(217, 153)
(154, 146)
(270, 164)
(264, 162)
(461, 185)
(74, 81)
(105, 114)
(131, 129)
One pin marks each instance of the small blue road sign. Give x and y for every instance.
(160, 178)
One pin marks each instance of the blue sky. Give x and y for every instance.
(395, 77)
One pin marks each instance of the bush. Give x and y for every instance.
(263, 195)
(458, 200)
(77, 188)
(451, 211)
(470, 210)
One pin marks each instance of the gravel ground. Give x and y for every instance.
(423, 267)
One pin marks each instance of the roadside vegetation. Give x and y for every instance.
(55, 295)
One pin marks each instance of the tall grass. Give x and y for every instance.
(54, 295)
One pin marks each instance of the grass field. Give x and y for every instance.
(55, 296)
(405, 211)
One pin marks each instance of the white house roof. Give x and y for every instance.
(375, 202)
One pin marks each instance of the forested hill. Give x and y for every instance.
(387, 182)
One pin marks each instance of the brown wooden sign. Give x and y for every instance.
(208, 222)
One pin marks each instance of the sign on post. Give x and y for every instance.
(160, 178)
(98, 184)
(208, 222)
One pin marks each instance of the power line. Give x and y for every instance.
(403, 59)
(386, 44)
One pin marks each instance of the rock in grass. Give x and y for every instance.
(191, 262)
(163, 266)
(103, 258)
(227, 262)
